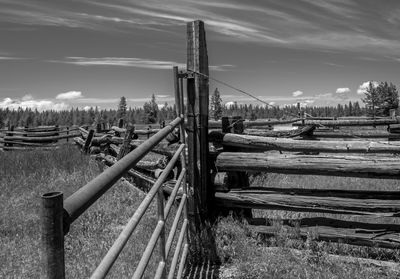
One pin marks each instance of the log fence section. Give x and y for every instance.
(211, 175)
(35, 138)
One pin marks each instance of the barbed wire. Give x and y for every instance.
(266, 103)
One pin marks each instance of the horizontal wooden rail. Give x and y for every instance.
(353, 166)
(304, 131)
(378, 238)
(78, 202)
(354, 134)
(218, 124)
(37, 139)
(364, 222)
(39, 134)
(306, 203)
(352, 122)
(282, 144)
(113, 253)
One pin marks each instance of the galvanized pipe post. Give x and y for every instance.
(160, 206)
(52, 253)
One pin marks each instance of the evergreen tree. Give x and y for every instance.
(121, 112)
(150, 111)
(380, 99)
(216, 105)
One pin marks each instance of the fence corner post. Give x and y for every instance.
(52, 236)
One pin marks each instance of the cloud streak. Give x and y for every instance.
(69, 95)
(39, 105)
(133, 62)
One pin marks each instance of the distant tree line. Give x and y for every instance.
(379, 98)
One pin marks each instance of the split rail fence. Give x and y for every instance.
(218, 165)
(42, 137)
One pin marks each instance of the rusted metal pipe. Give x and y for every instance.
(178, 249)
(52, 238)
(112, 254)
(175, 224)
(79, 201)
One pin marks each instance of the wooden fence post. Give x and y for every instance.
(125, 148)
(52, 238)
(88, 141)
(198, 94)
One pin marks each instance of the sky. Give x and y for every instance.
(59, 54)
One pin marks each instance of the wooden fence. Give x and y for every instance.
(42, 137)
(373, 213)
(217, 178)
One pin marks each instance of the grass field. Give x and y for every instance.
(27, 175)
(246, 255)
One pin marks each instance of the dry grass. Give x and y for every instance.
(25, 176)
(244, 255)
(247, 255)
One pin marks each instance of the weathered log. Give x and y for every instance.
(376, 238)
(366, 222)
(340, 193)
(163, 148)
(42, 129)
(218, 124)
(394, 128)
(146, 132)
(143, 164)
(305, 131)
(354, 122)
(355, 166)
(118, 129)
(142, 180)
(40, 134)
(85, 133)
(97, 141)
(275, 200)
(283, 144)
(354, 134)
(37, 139)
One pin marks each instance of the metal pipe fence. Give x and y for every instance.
(57, 216)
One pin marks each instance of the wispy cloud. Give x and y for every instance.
(343, 90)
(123, 62)
(297, 93)
(40, 105)
(69, 95)
(133, 62)
(12, 58)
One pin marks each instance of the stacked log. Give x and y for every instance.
(42, 137)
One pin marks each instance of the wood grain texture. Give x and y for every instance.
(353, 166)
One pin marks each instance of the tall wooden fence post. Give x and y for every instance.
(198, 94)
(52, 254)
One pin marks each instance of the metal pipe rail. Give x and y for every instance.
(113, 253)
(82, 199)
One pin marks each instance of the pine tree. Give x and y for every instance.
(121, 112)
(380, 99)
(150, 111)
(216, 105)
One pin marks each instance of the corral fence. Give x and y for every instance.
(59, 215)
(214, 179)
(42, 137)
